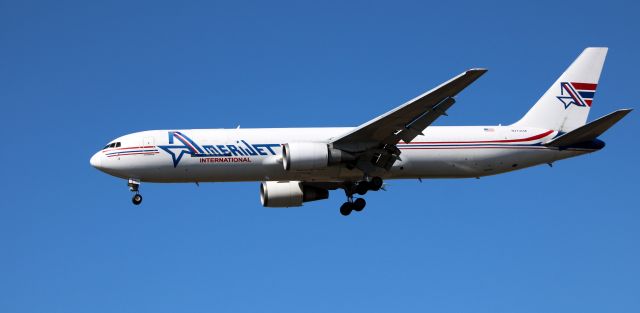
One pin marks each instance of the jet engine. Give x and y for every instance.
(277, 194)
(311, 156)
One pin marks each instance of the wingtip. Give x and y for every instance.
(621, 112)
(597, 48)
(475, 72)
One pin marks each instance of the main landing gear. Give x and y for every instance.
(361, 188)
(352, 205)
(134, 186)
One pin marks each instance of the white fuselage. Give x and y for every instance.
(224, 155)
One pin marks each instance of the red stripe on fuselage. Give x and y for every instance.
(129, 148)
(479, 147)
(131, 153)
(482, 147)
(545, 134)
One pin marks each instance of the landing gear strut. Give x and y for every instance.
(360, 188)
(134, 186)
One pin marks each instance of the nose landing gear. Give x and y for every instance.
(134, 186)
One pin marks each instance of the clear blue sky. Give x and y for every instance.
(75, 74)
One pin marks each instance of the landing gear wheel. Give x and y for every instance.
(137, 199)
(359, 204)
(346, 208)
(376, 183)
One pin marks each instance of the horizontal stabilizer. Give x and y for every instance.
(590, 131)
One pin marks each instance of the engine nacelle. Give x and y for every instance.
(305, 156)
(311, 156)
(276, 194)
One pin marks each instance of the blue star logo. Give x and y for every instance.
(176, 156)
(569, 99)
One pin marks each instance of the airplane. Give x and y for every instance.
(298, 165)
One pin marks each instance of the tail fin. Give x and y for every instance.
(565, 106)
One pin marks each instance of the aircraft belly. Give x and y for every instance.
(461, 163)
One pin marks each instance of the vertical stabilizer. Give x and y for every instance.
(565, 106)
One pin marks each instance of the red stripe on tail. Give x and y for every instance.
(584, 86)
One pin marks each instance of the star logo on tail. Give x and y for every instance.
(578, 94)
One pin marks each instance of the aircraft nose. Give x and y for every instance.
(96, 160)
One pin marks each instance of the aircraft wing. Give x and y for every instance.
(408, 120)
(373, 144)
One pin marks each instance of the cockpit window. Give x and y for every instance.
(112, 145)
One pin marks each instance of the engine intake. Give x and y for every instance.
(276, 194)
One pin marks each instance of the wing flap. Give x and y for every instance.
(415, 128)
